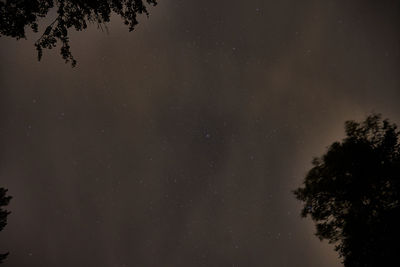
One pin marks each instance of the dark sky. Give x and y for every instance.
(178, 144)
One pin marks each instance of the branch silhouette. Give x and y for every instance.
(17, 16)
(4, 200)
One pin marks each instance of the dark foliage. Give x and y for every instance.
(353, 194)
(17, 15)
(4, 200)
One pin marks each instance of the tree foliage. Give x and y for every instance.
(4, 200)
(352, 193)
(18, 15)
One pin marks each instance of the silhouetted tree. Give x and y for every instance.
(4, 200)
(352, 194)
(17, 15)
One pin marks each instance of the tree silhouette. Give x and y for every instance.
(4, 200)
(17, 15)
(352, 194)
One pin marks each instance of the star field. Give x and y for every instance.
(179, 144)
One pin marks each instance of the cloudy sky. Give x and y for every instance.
(178, 144)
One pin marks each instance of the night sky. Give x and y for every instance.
(178, 144)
